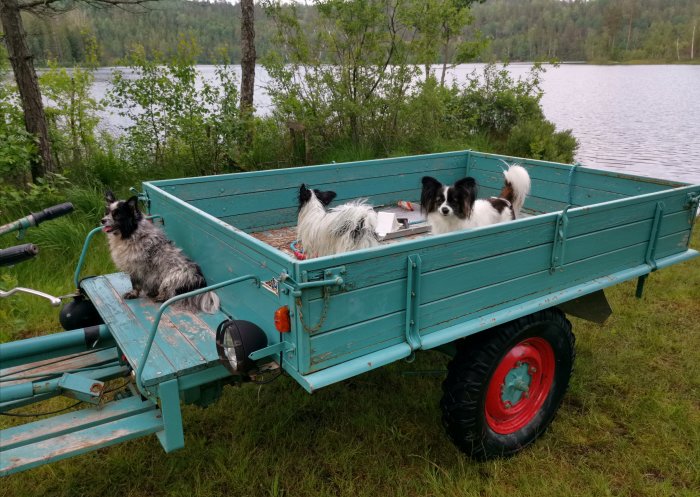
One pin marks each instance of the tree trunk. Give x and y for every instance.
(27, 83)
(248, 55)
(692, 42)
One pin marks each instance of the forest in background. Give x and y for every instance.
(515, 30)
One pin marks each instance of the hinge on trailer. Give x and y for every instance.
(692, 204)
(559, 246)
(651, 247)
(413, 301)
(272, 350)
(327, 278)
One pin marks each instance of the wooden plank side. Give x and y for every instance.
(270, 219)
(597, 217)
(598, 179)
(125, 326)
(451, 250)
(354, 341)
(442, 283)
(222, 257)
(332, 348)
(189, 189)
(450, 311)
(547, 190)
(350, 189)
(185, 224)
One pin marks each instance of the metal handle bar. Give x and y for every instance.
(18, 253)
(168, 303)
(55, 301)
(35, 218)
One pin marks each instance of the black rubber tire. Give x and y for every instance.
(469, 374)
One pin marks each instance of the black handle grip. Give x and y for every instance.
(18, 253)
(52, 212)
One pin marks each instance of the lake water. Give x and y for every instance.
(638, 119)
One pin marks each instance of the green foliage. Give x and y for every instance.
(538, 139)
(345, 81)
(507, 113)
(594, 31)
(494, 102)
(18, 148)
(72, 113)
(181, 123)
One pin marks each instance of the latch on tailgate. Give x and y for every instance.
(331, 277)
(328, 278)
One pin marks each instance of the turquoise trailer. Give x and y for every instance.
(493, 298)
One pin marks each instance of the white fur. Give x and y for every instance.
(168, 270)
(518, 177)
(483, 213)
(330, 232)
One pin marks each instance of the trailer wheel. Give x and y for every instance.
(504, 386)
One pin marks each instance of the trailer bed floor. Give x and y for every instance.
(185, 341)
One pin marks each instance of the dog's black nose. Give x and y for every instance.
(445, 210)
(103, 221)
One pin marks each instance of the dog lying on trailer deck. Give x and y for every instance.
(350, 226)
(456, 207)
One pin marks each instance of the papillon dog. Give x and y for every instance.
(155, 266)
(456, 207)
(347, 227)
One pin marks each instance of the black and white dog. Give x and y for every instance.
(456, 207)
(155, 266)
(347, 227)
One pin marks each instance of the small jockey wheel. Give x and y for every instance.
(504, 386)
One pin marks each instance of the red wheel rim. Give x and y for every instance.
(520, 385)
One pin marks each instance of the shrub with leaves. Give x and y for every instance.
(181, 123)
(18, 148)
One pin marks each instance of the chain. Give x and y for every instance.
(324, 312)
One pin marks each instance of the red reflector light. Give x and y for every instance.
(282, 320)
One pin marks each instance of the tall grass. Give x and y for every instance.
(629, 425)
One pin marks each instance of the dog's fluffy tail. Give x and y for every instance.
(516, 187)
(205, 302)
(354, 226)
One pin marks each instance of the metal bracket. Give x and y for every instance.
(651, 248)
(413, 301)
(330, 277)
(272, 350)
(654, 236)
(559, 246)
(692, 204)
(81, 388)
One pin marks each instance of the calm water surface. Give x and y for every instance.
(642, 120)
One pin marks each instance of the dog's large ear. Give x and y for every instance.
(304, 194)
(133, 203)
(427, 197)
(468, 188)
(109, 197)
(431, 183)
(325, 197)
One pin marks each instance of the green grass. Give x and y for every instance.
(629, 426)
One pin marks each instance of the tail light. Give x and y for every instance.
(282, 321)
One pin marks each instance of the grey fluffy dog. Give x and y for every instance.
(155, 266)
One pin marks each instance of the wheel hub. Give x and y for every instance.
(520, 385)
(516, 384)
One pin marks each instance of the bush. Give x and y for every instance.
(182, 124)
(18, 149)
(538, 139)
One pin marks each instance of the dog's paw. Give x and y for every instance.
(131, 294)
(161, 297)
